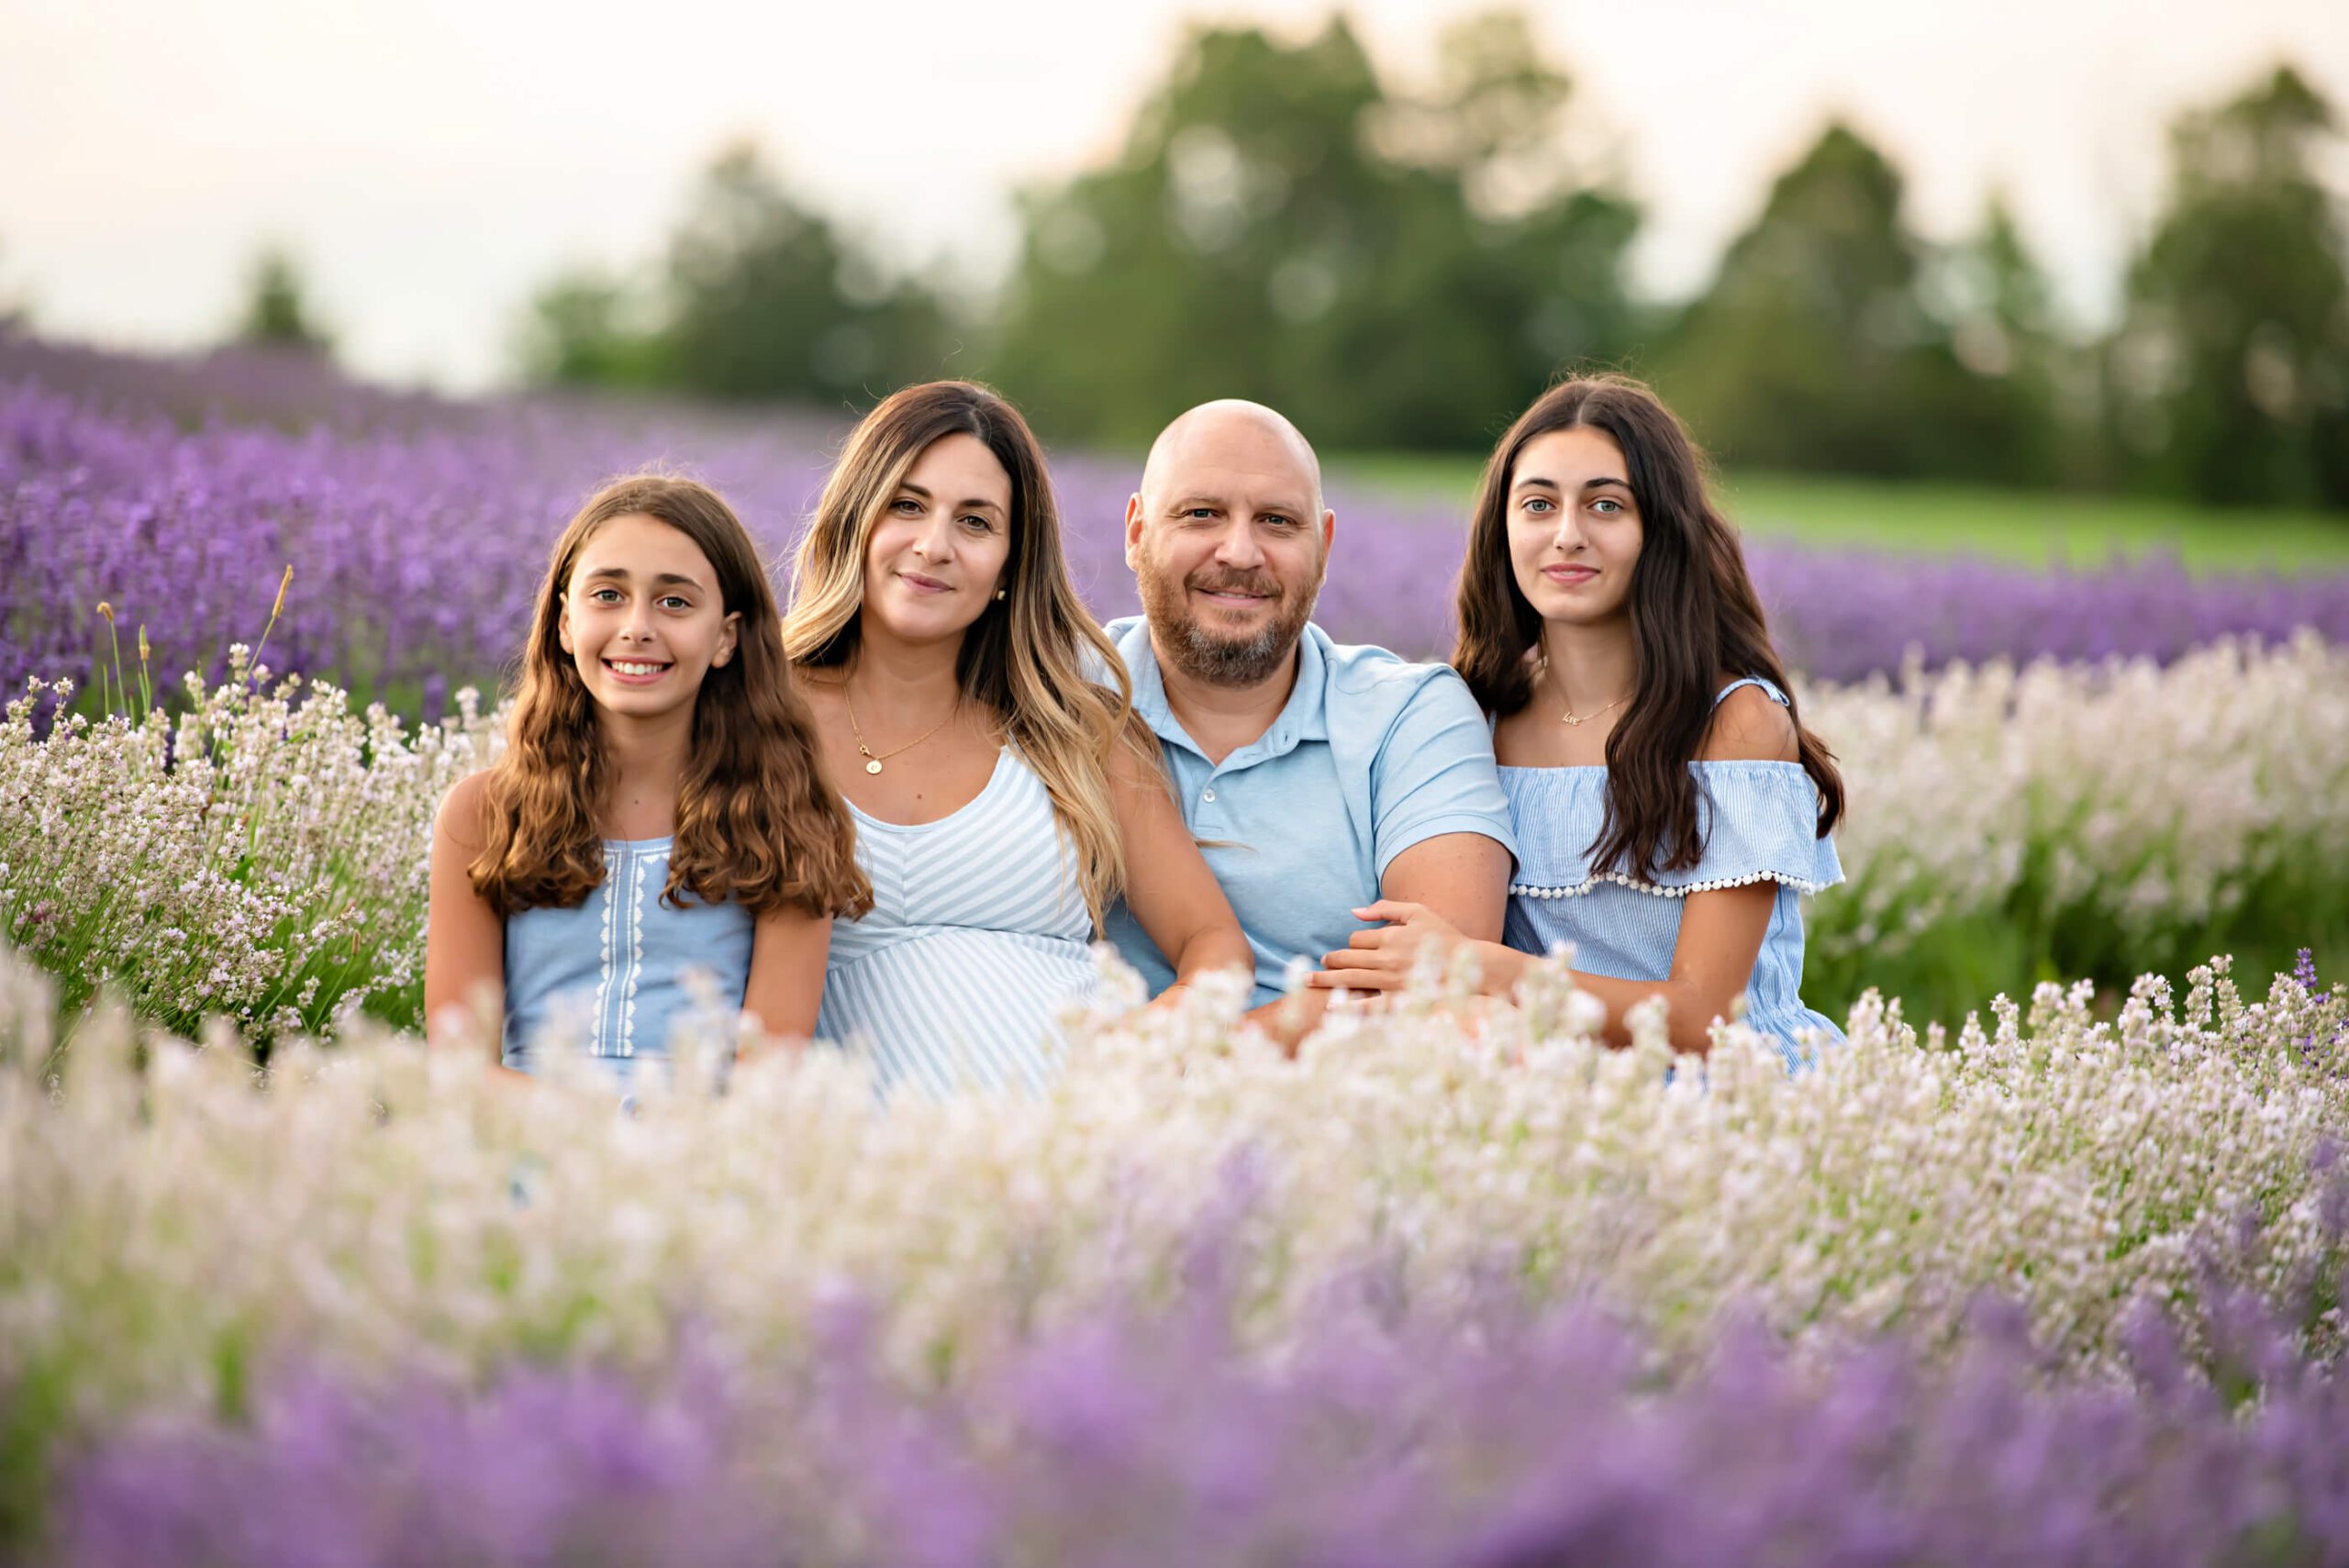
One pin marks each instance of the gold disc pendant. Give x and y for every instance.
(873, 766)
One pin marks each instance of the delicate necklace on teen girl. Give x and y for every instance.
(1567, 714)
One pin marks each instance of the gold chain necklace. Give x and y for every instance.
(1567, 714)
(872, 762)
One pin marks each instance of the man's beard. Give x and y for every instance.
(1199, 652)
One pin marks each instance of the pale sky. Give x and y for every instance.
(432, 161)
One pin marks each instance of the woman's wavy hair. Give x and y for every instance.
(1694, 617)
(757, 823)
(1026, 657)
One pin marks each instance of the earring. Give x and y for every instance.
(1003, 592)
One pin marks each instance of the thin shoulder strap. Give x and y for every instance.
(1776, 695)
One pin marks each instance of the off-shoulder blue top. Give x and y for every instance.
(1759, 823)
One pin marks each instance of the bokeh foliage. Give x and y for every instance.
(1402, 262)
(1389, 270)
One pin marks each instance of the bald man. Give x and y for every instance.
(1320, 777)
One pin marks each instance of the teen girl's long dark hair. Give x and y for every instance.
(1695, 621)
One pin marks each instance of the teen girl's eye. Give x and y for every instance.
(603, 595)
(1607, 505)
(676, 602)
(1537, 506)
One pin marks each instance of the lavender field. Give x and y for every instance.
(416, 531)
(2046, 1264)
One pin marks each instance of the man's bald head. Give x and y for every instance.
(1232, 432)
(1228, 540)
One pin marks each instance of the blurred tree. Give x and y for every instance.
(759, 297)
(1816, 345)
(277, 313)
(766, 299)
(587, 328)
(2005, 329)
(14, 313)
(2231, 371)
(1388, 270)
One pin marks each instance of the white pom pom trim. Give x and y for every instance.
(1528, 890)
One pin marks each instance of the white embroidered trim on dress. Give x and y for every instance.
(604, 975)
(1528, 890)
(641, 864)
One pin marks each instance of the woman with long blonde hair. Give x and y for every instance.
(661, 807)
(1003, 796)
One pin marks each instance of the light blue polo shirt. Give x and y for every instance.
(1371, 755)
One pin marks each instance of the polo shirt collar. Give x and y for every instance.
(1305, 717)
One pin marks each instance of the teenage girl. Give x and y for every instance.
(1671, 809)
(982, 728)
(659, 809)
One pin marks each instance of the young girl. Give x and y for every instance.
(659, 808)
(1671, 809)
(1004, 798)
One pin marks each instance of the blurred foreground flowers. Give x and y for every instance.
(1201, 1302)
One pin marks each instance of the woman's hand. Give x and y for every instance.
(1382, 958)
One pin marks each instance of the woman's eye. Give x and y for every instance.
(1536, 507)
(904, 505)
(606, 596)
(1605, 507)
(977, 522)
(676, 602)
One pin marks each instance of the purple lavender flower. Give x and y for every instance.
(1123, 1439)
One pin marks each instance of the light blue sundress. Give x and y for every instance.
(1759, 822)
(614, 975)
(978, 935)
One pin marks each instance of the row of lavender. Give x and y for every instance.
(417, 537)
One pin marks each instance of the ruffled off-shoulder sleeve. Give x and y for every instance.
(1760, 822)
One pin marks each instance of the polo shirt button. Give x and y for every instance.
(1209, 794)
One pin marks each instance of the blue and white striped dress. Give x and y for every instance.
(978, 935)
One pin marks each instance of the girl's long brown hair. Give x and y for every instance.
(1025, 658)
(757, 824)
(1694, 617)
